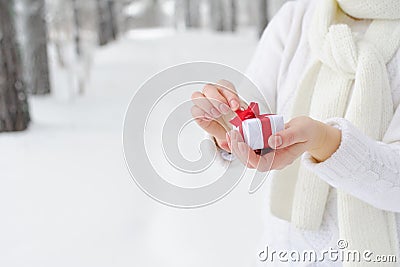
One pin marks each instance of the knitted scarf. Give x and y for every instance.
(342, 61)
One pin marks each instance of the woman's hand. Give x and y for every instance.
(210, 105)
(301, 134)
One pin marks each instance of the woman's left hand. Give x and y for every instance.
(301, 134)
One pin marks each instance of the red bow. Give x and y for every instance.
(252, 111)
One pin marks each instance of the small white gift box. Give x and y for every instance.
(257, 131)
(255, 128)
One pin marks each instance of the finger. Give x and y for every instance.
(286, 156)
(210, 125)
(224, 145)
(245, 154)
(248, 157)
(291, 135)
(228, 140)
(227, 89)
(202, 102)
(261, 163)
(254, 160)
(216, 99)
(268, 160)
(238, 151)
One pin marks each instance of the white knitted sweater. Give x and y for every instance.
(278, 65)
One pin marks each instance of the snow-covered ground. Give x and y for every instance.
(67, 199)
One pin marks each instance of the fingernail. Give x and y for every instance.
(208, 117)
(234, 104)
(242, 147)
(224, 108)
(275, 141)
(215, 113)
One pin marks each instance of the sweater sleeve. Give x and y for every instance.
(264, 66)
(363, 167)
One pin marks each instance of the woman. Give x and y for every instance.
(332, 66)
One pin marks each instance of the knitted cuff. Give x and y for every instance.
(362, 167)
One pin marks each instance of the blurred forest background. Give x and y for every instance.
(41, 40)
(68, 69)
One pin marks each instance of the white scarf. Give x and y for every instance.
(298, 195)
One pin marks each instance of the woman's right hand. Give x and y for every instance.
(209, 107)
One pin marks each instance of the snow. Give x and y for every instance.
(66, 197)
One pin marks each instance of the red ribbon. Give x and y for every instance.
(252, 111)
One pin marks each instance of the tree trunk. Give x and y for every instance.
(106, 21)
(14, 113)
(233, 15)
(262, 15)
(192, 13)
(180, 16)
(229, 13)
(77, 34)
(223, 15)
(113, 19)
(217, 15)
(32, 35)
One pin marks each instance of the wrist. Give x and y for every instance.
(327, 142)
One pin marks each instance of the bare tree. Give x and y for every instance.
(113, 19)
(77, 22)
(192, 13)
(32, 35)
(216, 15)
(14, 113)
(106, 21)
(223, 15)
(262, 15)
(73, 36)
(180, 16)
(230, 15)
(234, 17)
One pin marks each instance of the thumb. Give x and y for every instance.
(290, 136)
